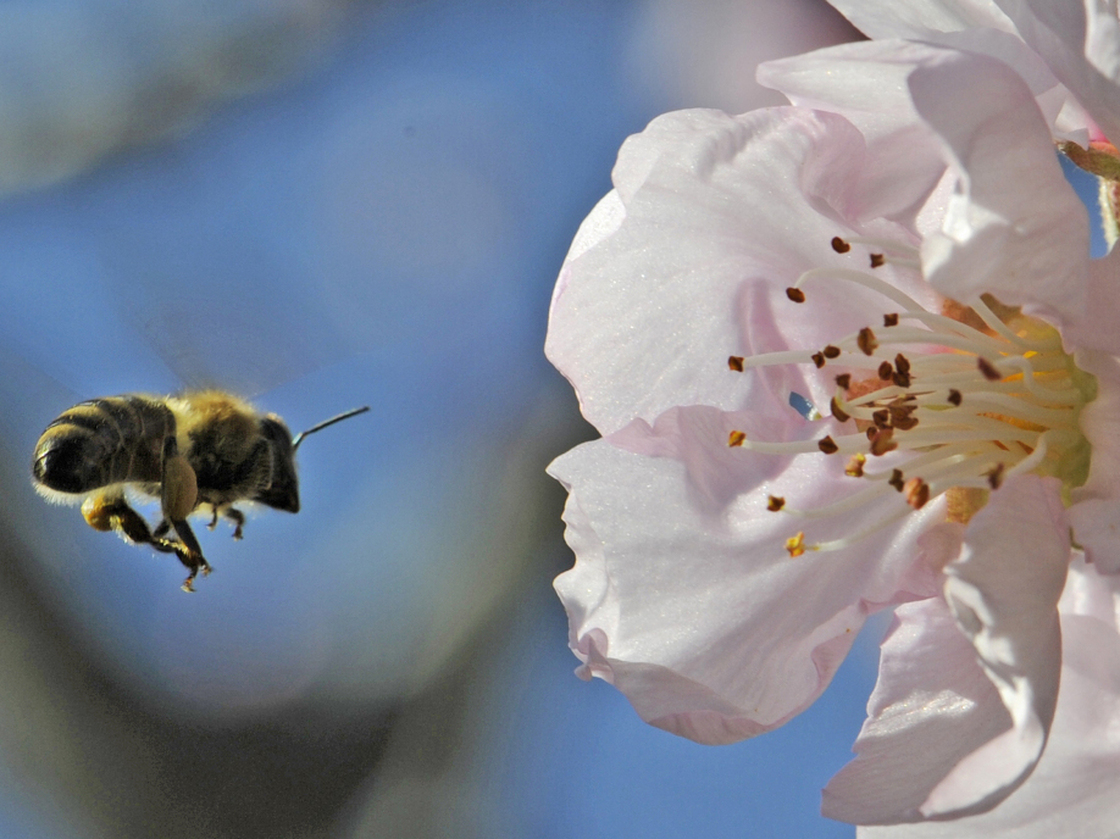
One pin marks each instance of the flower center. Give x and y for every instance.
(960, 399)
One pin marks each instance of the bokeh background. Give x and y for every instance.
(322, 204)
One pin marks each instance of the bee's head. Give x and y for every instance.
(282, 492)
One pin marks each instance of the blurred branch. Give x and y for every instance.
(81, 81)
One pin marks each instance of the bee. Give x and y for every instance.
(199, 451)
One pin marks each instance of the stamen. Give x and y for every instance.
(901, 253)
(992, 321)
(958, 403)
(859, 278)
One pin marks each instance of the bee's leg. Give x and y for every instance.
(190, 553)
(238, 518)
(213, 519)
(178, 498)
(162, 529)
(105, 512)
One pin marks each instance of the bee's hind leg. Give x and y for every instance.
(189, 552)
(105, 512)
(178, 498)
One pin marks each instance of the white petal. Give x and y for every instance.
(1095, 515)
(964, 703)
(1080, 41)
(718, 216)
(683, 595)
(932, 704)
(866, 83)
(1072, 792)
(1014, 228)
(919, 18)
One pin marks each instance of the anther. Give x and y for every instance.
(737, 438)
(775, 503)
(903, 423)
(795, 294)
(886, 372)
(882, 442)
(735, 362)
(818, 359)
(877, 260)
(954, 398)
(839, 245)
(828, 445)
(866, 341)
(896, 479)
(900, 409)
(831, 352)
(995, 476)
(854, 469)
(988, 370)
(917, 493)
(844, 381)
(891, 319)
(796, 545)
(838, 412)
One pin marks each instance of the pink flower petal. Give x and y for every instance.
(671, 256)
(1072, 792)
(1096, 327)
(1079, 42)
(1095, 515)
(866, 83)
(918, 18)
(954, 727)
(997, 235)
(932, 704)
(683, 595)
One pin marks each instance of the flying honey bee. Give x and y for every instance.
(199, 451)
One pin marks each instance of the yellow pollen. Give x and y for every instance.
(796, 545)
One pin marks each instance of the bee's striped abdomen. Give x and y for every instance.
(102, 442)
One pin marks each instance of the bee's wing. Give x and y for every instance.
(243, 346)
(246, 327)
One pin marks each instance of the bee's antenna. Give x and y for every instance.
(299, 437)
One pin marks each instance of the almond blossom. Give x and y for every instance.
(851, 355)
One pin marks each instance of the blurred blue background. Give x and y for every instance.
(323, 204)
